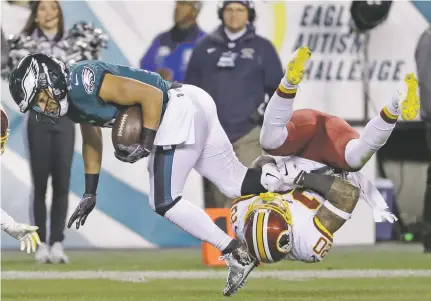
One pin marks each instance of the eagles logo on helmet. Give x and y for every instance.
(35, 73)
(268, 228)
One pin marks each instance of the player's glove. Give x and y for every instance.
(272, 178)
(137, 151)
(26, 234)
(86, 205)
(131, 153)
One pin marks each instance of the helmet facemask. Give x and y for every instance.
(52, 109)
(3, 141)
(48, 80)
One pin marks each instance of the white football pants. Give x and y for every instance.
(211, 155)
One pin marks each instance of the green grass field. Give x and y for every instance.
(383, 272)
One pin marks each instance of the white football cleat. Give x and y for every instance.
(296, 66)
(240, 264)
(42, 253)
(57, 254)
(410, 104)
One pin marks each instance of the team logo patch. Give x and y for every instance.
(247, 53)
(163, 51)
(88, 79)
(29, 83)
(186, 58)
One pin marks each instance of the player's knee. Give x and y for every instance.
(355, 163)
(272, 137)
(162, 207)
(357, 153)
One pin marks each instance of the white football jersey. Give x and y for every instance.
(311, 242)
(295, 164)
(290, 166)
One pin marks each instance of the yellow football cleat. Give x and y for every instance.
(296, 66)
(410, 106)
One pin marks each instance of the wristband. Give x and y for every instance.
(147, 138)
(91, 181)
(319, 183)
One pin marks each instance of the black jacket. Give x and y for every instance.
(237, 91)
(423, 64)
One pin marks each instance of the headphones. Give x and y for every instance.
(248, 4)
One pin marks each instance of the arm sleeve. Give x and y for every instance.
(6, 220)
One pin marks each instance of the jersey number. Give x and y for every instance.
(307, 199)
(233, 216)
(322, 247)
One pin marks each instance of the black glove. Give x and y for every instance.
(86, 205)
(131, 153)
(137, 151)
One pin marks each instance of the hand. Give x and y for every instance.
(271, 179)
(291, 174)
(86, 205)
(26, 234)
(384, 216)
(131, 153)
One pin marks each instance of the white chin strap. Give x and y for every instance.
(344, 215)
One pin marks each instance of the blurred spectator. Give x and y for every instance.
(14, 16)
(23, 3)
(423, 64)
(51, 146)
(238, 69)
(170, 51)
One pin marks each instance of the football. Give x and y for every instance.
(127, 127)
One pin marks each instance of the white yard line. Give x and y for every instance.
(141, 276)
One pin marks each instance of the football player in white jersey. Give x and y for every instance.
(297, 225)
(309, 139)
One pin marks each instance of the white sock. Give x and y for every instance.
(196, 222)
(287, 85)
(392, 110)
(376, 133)
(277, 114)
